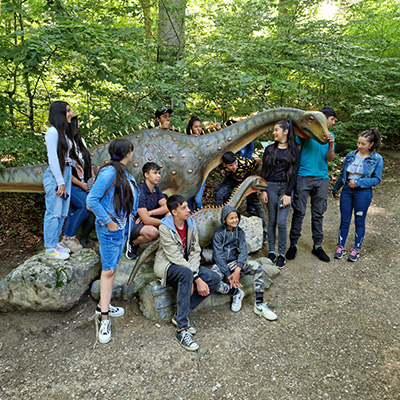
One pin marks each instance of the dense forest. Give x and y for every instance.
(116, 61)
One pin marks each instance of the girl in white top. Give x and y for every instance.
(57, 179)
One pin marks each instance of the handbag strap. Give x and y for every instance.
(115, 179)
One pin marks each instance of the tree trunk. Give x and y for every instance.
(171, 29)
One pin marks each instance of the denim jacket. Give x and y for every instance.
(372, 171)
(103, 208)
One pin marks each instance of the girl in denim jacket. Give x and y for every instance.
(113, 199)
(362, 170)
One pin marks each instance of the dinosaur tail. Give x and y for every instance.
(23, 179)
(147, 253)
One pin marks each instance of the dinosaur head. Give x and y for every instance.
(255, 183)
(312, 124)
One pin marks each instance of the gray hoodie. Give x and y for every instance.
(229, 245)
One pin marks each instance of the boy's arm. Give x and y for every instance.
(171, 247)
(147, 218)
(219, 255)
(242, 257)
(161, 210)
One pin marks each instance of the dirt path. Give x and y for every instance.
(337, 336)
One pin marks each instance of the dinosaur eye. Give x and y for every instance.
(310, 119)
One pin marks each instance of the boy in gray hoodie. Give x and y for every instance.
(230, 260)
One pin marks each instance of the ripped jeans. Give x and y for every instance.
(356, 199)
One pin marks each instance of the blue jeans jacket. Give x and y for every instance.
(372, 171)
(103, 208)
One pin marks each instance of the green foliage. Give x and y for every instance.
(240, 57)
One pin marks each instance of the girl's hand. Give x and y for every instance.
(264, 197)
(112, 226)
(83, 186)
(216, 125)
(352, 183)
(336, 196)
(61, 191)
(286, 200)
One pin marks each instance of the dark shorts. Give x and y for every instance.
(136, 231)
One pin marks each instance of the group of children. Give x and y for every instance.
(127, 214)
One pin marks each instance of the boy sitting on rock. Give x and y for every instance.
(177, 263)
(230, 260)
(152, 208)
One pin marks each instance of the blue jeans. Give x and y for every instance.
(277, 216)
(356, 199)
(182, 278)
(78, 211)
(56, 207)
(317, 189)
(111, 246)
(196, 202)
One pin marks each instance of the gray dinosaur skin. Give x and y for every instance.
(186, 160)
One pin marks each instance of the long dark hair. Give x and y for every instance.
(192, 120)
(58, 119)
(78, 145)
(123, 195)
(291, 160)
(373, 136)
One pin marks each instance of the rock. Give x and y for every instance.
(269, 267)
(116, 292)
(42, 284)
(254, 233)
(158, 303)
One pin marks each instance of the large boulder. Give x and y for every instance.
(42, 284)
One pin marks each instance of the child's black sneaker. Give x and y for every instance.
(291, 253)
(186, 340)
(281, 261)
(272, 256)
(131, 251)
(320, 253)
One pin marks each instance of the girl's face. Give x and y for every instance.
(196, 128)
(70, 114)
(364, 145)
(280, 135)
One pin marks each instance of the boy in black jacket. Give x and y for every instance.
(230, 260)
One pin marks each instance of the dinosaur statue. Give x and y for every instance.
(186, 160)
(208, 220)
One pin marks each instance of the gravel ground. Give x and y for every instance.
(337, 335)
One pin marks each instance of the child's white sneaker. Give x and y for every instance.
(56, 254)
(237, 301)
(263, 310)
(105, 331)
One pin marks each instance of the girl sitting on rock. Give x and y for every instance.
(114, 200)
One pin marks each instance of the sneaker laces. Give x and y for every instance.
(186, 338)
(354, 252)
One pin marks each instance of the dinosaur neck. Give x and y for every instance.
(240, 193)
(235, 137)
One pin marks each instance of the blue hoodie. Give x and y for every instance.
(229, 245)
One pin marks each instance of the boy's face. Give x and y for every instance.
(330, 121)
(232, 167)
(232, 220)
(182, 212)
(164, 120)
(153, 177)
